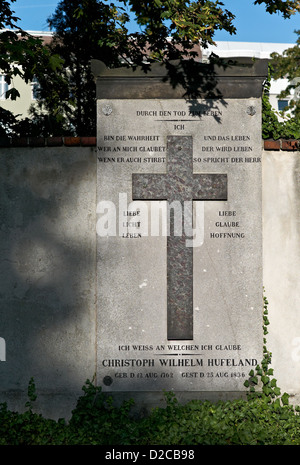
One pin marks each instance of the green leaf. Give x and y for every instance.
(265, 379)
(285, 399)
(267, 390)
(273, 383)
(277, 391)
(12, 94)
(55, 61)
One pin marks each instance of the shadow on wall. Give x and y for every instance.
(47, 268)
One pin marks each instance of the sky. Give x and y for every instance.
(253, 23)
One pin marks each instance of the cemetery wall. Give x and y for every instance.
(281, 263)
(48, 268)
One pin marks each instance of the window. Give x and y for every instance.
(3, 87)
(35, 87)
(282, 104)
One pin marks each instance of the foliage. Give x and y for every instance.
(94, 29)
(165, 24)
(236, 422)
(95, 420)
(272, 127)
(268, 389)
(86, 29)
(286, 7)
(287, 66)
(83, 30)
(265, 418)
(21, 55)
(39, 124)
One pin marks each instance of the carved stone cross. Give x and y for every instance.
(179, 184)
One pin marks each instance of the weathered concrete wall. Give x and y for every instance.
(281, 233)
(48, 272)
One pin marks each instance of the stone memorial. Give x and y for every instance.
(179, 228)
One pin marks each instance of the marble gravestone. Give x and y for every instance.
(179, 228)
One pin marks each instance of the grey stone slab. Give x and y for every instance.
(135, 140)
(233, 78)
